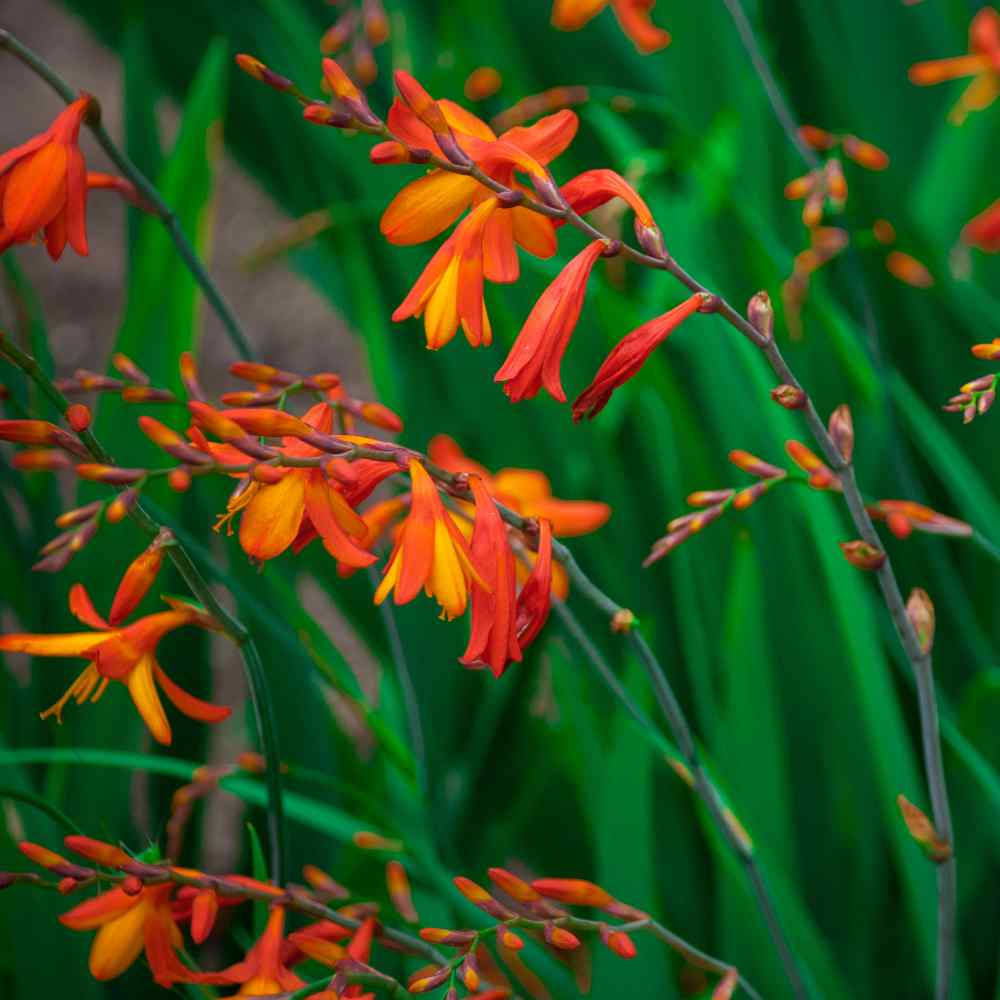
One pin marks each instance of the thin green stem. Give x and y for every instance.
(233, 628)
(151, 196)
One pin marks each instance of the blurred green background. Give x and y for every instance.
(780, 651)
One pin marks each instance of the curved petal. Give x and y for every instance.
(465, 121)
(548, 137)
(569, 15)
(118, 944)
(142, 688)
(570, 517)
(426, 207)
(188, 704)
(12, 156)
(94, 912)
(56, 235)
(500, 263)
(271, 520)
(76, 201)
(534, 232)
(336, 521)
(36, 190)
(81, 607)
(633, 16)
(524, 485)
(68, 644)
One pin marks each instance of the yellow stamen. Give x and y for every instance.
(242, 496)
(80, 690)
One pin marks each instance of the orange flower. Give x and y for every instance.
(127, 925)
(450, 291)
(124, 654)
(429, 553)
(982, 63)
(263, 973)
(537, 354)
(303, 503)
(43, 186)
(629, 356)
(493, 641)
(428, 206)
(535, 599)
(633, 17)
(983, 232)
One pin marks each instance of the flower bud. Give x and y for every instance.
(841, 429)
(189, 376)
(119, 508)
(40, 432)
(95, 472)
(255, 68)
(78, 416)
(128, 369)
(348, 94)
(755, 466)
(131, 885)
(368, 841)
(760, 313)
(576, 892)
(323, 114)
(920, 610)
(41, 460)
(514, 887)
(179, 480)
(862, 555)
(252, 371)
(617, 941)
(790, 397)
(428, 978)
(559, 937)
(922, 830)
(398, 886)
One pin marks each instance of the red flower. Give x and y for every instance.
(493, 641)
(535, 599)
(629, 356)
(537, 354)
(43, 186)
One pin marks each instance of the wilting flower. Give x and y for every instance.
(983, 232)
(428, 206)
(430, 553)
(125, 654)
(982, 63)
(629, 355)
(633, 16)
(302, 503)
(535, 359)
(43, 186)
(493, 641)
(126, 925)
(450, 291)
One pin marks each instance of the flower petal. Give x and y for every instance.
(336, 521)
(142, 688)
(81, 606)
(188, 704)
(118, 944)
(547, 138)
(271, 520)
(534, 232)
(68, 644)
(94, 912)
(427, 207)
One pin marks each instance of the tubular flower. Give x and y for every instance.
(43, 186)
(493, 641)
(982, 63)
(428, 206)
(535, 358)
(594, 188)
(525, 491)
(633, 17)
(535, 600)
(983, 232)
(125, 654)
(263, 973)
(629, 356)
(304, 503)
(430, 553)
(127, 925)
(450, 291)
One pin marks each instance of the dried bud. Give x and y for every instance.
(760, 313)
(922, 830)
(755, 466)
(862, 555)
(790, 397)
(841, 429)
(78, 417)
(920, 610)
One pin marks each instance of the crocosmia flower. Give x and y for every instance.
(302, 503)
(982, 64)
(43, 186)
(430, 553)
(450, 291)
(128, 925)
(428, 206)
(535, 359)
(633, 16)
(124, 654)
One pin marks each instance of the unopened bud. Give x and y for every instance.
(920, 610)
(252, 371)
(98, 473)
(922, 830)
(841, 429)
(323, 114)
(255, 68)
(618, 942)
(78, 417)
(119, 508)
(788, 396)
(129, 369)
(651, 240)
(576, 892)
(754, 465)
(559, 937)
(760, 313)
(510, 198)
(862, 555)
(179, 480)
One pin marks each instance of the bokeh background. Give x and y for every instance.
(781, 652)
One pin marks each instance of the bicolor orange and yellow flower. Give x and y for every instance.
(430, 553)
(124, 654)
(982, 63)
